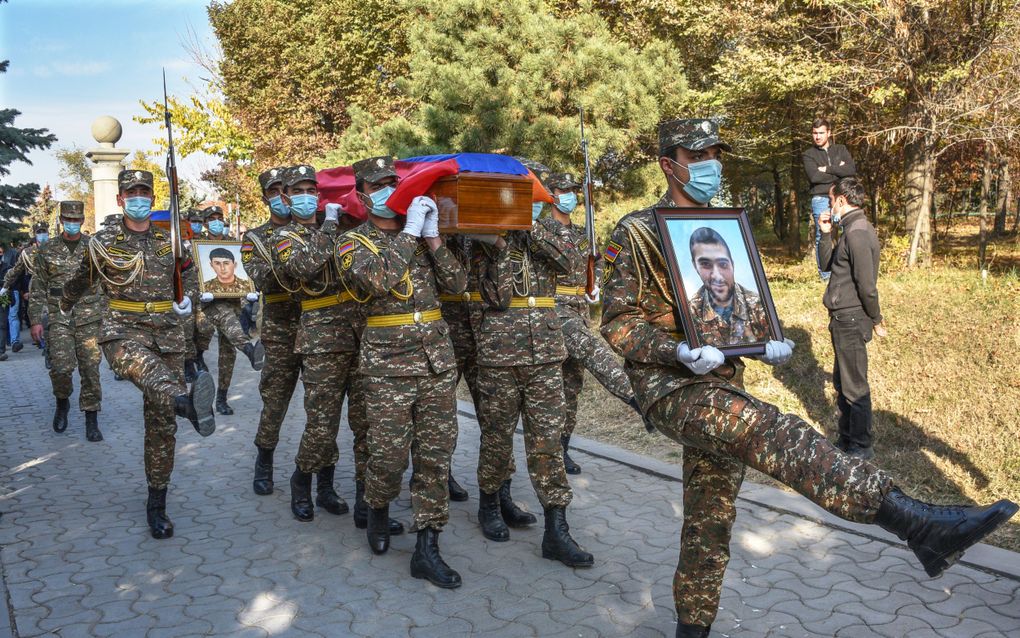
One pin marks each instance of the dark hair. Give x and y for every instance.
(819, 122)
(220, 253)
(850, 188)
(706, 235)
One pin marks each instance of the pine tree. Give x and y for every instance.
(15, 144)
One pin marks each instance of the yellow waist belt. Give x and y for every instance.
(409, 319)
(464, 296)
(325, 302)
(570, 290)
(141, 306)
(533, 302)
(276, 297)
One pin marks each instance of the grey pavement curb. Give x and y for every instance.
(984, 557)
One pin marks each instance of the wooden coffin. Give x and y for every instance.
(483, 202)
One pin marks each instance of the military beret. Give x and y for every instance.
(374, 169)
(112, 220)
(130, 178)
(196, 215)
(72, 209)
(270, 177)
(300, 173)
(41, 227)
(562, 181)
(209, 211)
(694, 135)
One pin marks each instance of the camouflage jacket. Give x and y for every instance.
(747, 322)
(392, 273)
(25, 263)
(303, 255)
(639, 313)
(280, 318)
(466, 308)
(570, 305)
(135, 267)
(54, 265)
(515, 329)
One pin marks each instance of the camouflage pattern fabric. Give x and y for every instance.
(721, 427)
(276, 387)
(747, 322)
(357, 420)
(25, 263)
(324, 376)
(71, 347)
(225, 316)
(412, 416)
(692, 134)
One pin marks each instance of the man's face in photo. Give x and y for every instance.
(224, 269)
(820, 135)
(715, 267)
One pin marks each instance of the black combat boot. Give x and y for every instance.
(428, 564)
(325, 495)
(361, 511)
(190, 370)
(493, 527)
(160, 525)
(379, 529)
(301, 495)
(60, 415)
(221, 402)
(939, 534)
(262, 484)
(197, 405)
(256, 353)
(684, 630)
(513, 515)
(200, 361)
(457, 493)
(557, 543)
(92, 432)
(568, 463)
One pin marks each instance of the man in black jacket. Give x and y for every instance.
(852, 300)
(825, 163)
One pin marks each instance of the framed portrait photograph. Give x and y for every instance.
(220, 270)
(723, 298)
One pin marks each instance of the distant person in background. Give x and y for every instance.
(852, 300)
(825, 163)
(6, 261)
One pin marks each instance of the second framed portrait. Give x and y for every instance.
(723, 298)
(220, 270)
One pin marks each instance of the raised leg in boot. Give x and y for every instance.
(557, 544)
(262, 483)
(160, 525)
(301, 495)
(196, 406)
(325, 494)
(428, 564)
(92, 433)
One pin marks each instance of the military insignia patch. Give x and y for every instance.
(345, 248)
(607, 272)
(245, 256)
(420, 250)
(346, 262)
(163, 250)
(282, 246)
(583, 245)
(247, 246)
(613, 251)
(120, 252)
(283, 255)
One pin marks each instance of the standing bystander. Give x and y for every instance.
(825, 163)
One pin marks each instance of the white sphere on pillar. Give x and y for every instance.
(107, 130)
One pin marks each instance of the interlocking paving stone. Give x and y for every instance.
(78, 560)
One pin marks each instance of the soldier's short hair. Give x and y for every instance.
(221, 253)
(850, 188)
(706, 235)
(820, 122)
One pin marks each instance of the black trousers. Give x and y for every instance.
(851, 332)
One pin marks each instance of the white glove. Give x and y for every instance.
(484, 239)
(416, 214)
(431, 227)
(252, 297)
(332, 213)
(3, 291)
(183, 309)
(777, 352)
(205, 297)
(700, 360)
(593, 298)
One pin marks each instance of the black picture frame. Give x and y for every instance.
(673, 225)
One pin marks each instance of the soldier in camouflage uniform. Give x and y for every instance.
(141, 332)
(72, 342)
(224, 314)
(24, 264)
(193, 361)
(520, 358)
(696, 397)
(397, 269)
(585, 351)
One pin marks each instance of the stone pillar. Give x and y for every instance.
(107, 162)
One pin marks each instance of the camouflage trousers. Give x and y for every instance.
(585, 351)
(225, 317)
(325, 376)
(357, 420)
(190, 335)
(414, 416)
(276, 387)
(160, 377)
(536, 392)
(723, 429)
(71, 347)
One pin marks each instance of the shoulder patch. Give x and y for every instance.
(158, 234)
(345, 247)
(119, 237)
(162, 250)
(282, 245)
(607, 272)
(583, 244)
(420, 250)
(613, 251)
(247, 246)
(347, 261)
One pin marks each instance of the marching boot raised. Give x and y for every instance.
(361, 511)
(379, 529)
(428, 564)
(60, 415)
(557, 543)
(513, 515)
(92, 432)
(684, 630)
(457, 493)
(221, 402)
(197, 405)
(568, 463)
(262, 484)
(160, 525)
(493, 527)
(200, 362)
(256, 354)
(190, 370)
(325, 494)
(301, 495)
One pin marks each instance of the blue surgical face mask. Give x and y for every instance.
(536, 211)
(705, 179)
(42, 238)
(138, 208)
(303, 206)
(566, 203)
(196, 228)
(216, 226)
(277, 206)
(379, 199)
(72, 228)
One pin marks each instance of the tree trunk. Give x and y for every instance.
(793, 212)
(918, 180)
(1002, 199)
(986, 193)
(779, 218)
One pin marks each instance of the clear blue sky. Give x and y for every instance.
(74, 60)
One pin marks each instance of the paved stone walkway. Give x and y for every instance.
(78, 561)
